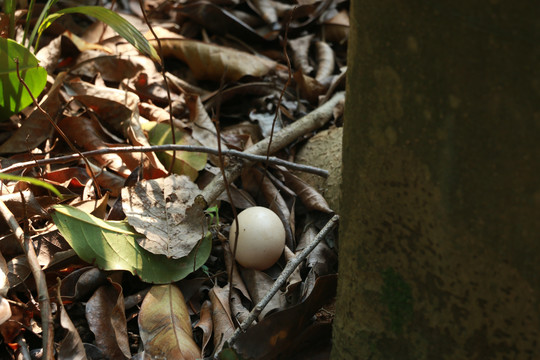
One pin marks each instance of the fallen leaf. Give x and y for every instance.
(5, 310)
(37, 127)
(310, 197)
(258, 284)
(300, 47)
(271, 336)
(87, 133)
(221, 315)
(325, 61)
(205, 324)
(214, 62)
(106, 318)
(112, 245)
(168, 212)
(186, 162)
(71, 346)
(165, 326)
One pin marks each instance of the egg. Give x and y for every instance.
(261, 238)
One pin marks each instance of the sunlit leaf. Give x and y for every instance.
(186, 163)
(13, 96)
(32, 181)
(123, 27)
(112, 245)
(165, 326)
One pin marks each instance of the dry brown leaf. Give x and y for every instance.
(49, 55)
(300, 48)
(214, 62)
(5, 310)
(336, 29)
(4, 283)
(203, 129)
(311, 198)
(275, 202)
(71, 346)
(87, 133)
(19, 320)
(110, 67)
(169, 212)
(266, 9)
(325, 61)
(258, 284)
(107, 320)
(310, 88)
(235, 22)
(221, 315)
(36, 128)
(271, 337)
(235, 278)
(205, 324)
(165, 326)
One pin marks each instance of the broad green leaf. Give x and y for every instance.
(32, 181)
(165, 326)
(112, 245)
(123, 27)
(186, 163)
(13, 96)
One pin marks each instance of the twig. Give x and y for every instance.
(70, 144)
(190, 148)
(280, 281)
(23, 346)
(39, 277)
(285, 136)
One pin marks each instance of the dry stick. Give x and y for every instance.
(284, 137)
(162, 68)
(280, 281)
(39, 277)
(58, 130)
(190, 148)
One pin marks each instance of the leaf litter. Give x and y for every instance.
(159, 280)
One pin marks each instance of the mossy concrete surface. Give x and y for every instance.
(441, 191)
(324, 151)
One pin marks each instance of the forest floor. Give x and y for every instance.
(130, 255)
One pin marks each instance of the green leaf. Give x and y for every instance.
(112, 245)
(123, 27)
(13, 96)
(186, 163)
(32, 181)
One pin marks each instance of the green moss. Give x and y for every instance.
(397, 297)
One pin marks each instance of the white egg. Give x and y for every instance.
(261, 238)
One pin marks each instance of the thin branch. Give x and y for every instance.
(190, 148)
(57, 128)
(284, 137)
(39, 277)
(280, 281)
